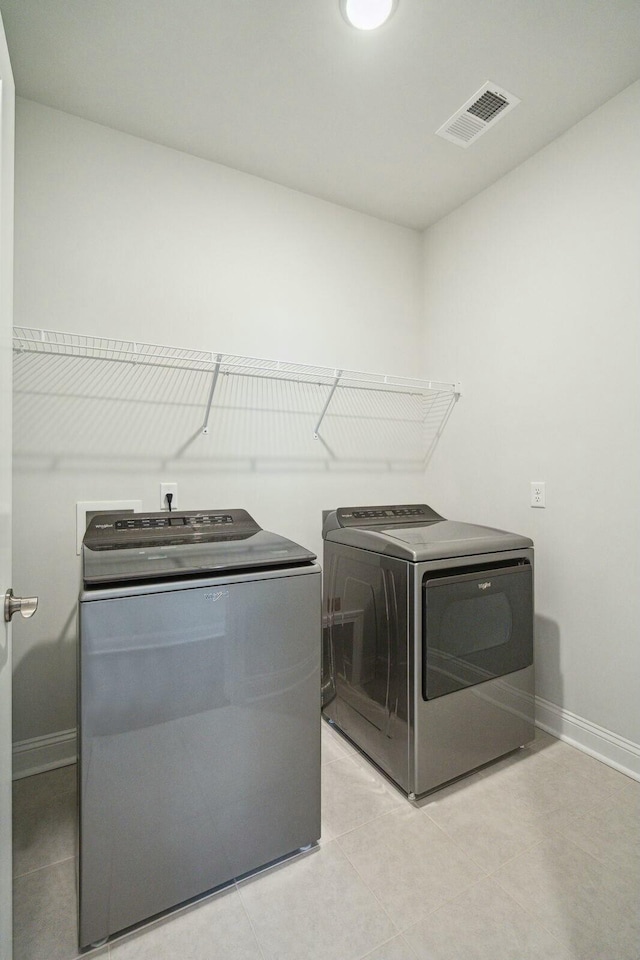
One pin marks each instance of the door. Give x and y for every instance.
(7, 100)
(478, 625)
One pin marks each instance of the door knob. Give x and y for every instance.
(27, 606)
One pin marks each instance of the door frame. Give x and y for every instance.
(7, 119)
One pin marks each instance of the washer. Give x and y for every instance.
(199, 674)
(427, 641)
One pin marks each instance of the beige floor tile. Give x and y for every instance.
(589, 906)
(570, 758)
(315, 907)
(580, 885)
(524, 766)
(333, 745)
(44, 831)
(547, 787)
(396, 949)
(629, 794)
(409, 863)
(520, 800)
(44, 914)
(483, 923)
(214, 929)
(508, 825)
(353, 792)
(34, 792)
(562, 792)
(611, 831)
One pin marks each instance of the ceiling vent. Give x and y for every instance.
(482, 111)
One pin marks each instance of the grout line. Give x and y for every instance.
(385, 944)
(456, 843)
(44, 866)
(364, 823)
(106, 950)
(251, 923)
(526, 910)
(375, 897)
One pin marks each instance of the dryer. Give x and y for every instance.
(427, 660)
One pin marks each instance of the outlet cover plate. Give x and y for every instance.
(166, 488)
(538, 493)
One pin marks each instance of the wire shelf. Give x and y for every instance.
(32, 340)
(334, 387)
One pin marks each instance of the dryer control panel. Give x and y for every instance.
(385, 516)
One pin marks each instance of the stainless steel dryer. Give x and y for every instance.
(427, 641)
(199, 700)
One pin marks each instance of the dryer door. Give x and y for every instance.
(478, 625)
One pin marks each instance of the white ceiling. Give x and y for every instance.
(284, 89)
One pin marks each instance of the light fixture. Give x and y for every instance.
(367, 14)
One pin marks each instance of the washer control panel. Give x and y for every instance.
(148, 521)
(120, 531)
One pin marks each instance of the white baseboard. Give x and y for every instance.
(44, 753)
(60, 749)
(617, 752)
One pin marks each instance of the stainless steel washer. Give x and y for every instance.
(199, 701)
(427, 641)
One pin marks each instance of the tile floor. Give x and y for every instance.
(536, 857)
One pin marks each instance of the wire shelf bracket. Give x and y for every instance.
(214, 381)
(316, 432)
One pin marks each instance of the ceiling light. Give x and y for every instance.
(367, 14)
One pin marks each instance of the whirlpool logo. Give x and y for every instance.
(215, 595)
(485, 585)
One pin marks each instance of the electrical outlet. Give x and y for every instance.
(538, 496)
(166, 488)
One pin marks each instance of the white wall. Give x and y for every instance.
(532, 294)
(531, 297)
(123, 238)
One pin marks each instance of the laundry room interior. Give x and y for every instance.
(492, 293)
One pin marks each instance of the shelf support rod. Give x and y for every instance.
(212, 390)
(326, 406)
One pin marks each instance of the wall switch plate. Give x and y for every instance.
(538, 494)
(166, 488)
(85, 507)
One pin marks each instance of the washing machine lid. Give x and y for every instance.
(125, 547)
(415, 532)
